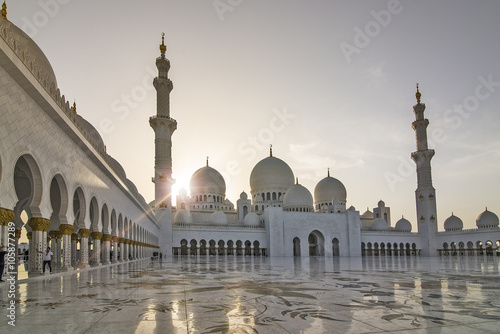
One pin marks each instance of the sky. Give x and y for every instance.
(330, 84)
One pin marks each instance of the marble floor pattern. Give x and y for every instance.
(264, 295)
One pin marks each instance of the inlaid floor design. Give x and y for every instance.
(265, 295)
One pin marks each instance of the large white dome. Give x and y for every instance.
(298, 197)
(207, 180)
(328, 189)
(271, 173)
(487, 219)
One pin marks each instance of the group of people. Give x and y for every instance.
(47, 260)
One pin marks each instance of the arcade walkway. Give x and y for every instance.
(264, 295)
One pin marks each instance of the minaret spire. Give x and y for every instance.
(163, 126)
(328, 172)
(271, 150)
(425, 193)
(163, 47)
(418, 95)
(4, 11)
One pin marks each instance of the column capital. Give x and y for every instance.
(107, 237)
(115, 238)
(121, 240)
(52, 234)
(84, 232)
(6, 216)
(74, 237)
(66, 229)
(39, 224)
(29, 235)
(18, 234)
(96, 235)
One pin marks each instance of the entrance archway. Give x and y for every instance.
(316, 244)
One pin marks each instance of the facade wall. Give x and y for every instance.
(27, 130)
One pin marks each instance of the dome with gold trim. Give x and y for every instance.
(271, 173)
(207, 180)
(327, 190)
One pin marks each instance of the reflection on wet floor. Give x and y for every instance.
(265, 295)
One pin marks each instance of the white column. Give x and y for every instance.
(67, 246)
(96, 254)
(38, 242)
(115, 249)
(84, 247)
(106, 247)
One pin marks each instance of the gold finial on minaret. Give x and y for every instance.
(74, 107)
(328, 172)
(297, 180)
(163, 47)
(271, 150)
(418, 95)
(207, 161)
(4, 11)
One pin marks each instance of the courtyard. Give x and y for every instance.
(263, 295)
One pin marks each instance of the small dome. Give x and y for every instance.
(487, 219)
(251, 219)
(379, 224)
(218, 218)
(368, 215)
(243, 196)
(132, 187)
(403, 225)
(207, 180)
(271, 173)
(34, 51)
(117, 167)
(381, 204)
(183, 217)
(453, 223)
(92, 132)
(298, 197)
(328, 189)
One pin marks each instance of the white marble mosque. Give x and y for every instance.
(280, 260)
(55, 172)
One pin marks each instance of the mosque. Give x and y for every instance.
(59, 187)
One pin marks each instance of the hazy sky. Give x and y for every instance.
(342, 72)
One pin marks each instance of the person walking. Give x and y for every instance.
(2, 261)
(47, 258)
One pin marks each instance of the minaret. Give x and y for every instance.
(425, 193)
(164, 127)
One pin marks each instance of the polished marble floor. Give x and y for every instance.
(264, 295)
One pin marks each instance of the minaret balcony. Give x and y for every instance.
(156, 120)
